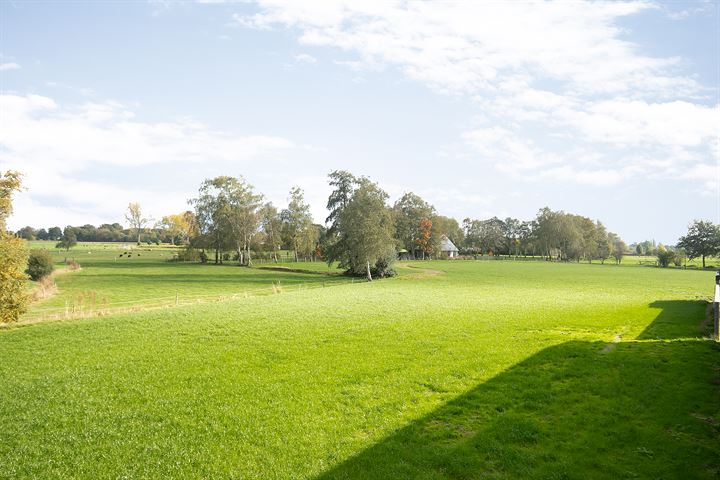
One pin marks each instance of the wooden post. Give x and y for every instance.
(716, 312)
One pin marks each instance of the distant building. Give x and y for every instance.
(447, 247)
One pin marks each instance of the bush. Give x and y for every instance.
(384, 264)
(187, 254)
(40, 264)
(72, 265)
(665, 257)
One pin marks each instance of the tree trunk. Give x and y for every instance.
(703, 260)
(367, 269)
(216, 255)
(247, 251)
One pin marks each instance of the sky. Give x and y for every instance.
(607, 110)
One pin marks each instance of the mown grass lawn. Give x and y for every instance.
(470, 370)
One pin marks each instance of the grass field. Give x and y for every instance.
(496, 370)
(109, 282)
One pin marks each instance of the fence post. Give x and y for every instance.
(716, 308)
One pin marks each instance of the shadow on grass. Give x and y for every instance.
(677, 319)
(644, 409)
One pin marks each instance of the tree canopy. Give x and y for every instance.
(702, 240)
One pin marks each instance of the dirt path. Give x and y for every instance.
(422, 272)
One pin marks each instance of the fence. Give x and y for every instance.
(92, 308)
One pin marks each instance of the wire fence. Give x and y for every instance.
(88, 306)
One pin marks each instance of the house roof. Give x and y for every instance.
(446, 245)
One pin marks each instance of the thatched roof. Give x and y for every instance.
(446, 245)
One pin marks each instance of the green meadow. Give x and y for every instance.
(115, 277)
(454, 369)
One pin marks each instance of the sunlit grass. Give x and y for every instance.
(483, 370)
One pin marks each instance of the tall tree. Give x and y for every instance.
(54, 233)
(409, 211)
(511, 233)
(178, 226)
(213, 212)
(423, 241)
(271, 225)
(702, 240)
(13, 255)
(618, 247)
(367, 225)
(603, 248)
(68, 239)
(297, 221)
(344, 184)
(244, 216)
(135, 218)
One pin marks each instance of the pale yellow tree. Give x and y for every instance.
(13, 255)
(135, 218)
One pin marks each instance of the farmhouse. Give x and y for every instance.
(447, 247)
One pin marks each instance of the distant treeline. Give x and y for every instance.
(107, 232)
(231, 221)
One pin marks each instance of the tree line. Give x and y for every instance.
(230, 221)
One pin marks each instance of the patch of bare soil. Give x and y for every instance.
(611, 346)
(422, 272)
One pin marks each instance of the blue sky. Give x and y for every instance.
(608, 110)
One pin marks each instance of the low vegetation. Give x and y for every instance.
(40, 264)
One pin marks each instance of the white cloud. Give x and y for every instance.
(57, 145)
(9, 66)
(305, 58)
(473, 46)
(564, 94)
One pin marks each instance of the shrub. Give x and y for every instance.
(187, 254)
(679, 258)
(665, 257)
(44, 288)
(384, 264)
(72, 265)
(40, 264)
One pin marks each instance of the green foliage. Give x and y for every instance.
(665, 257)
(187, 254)
(702, 240)
(297, 227)
(54, 233)
(366, 227)
(409, 211)
(40, 264)
(227, 215)
(68, 239)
